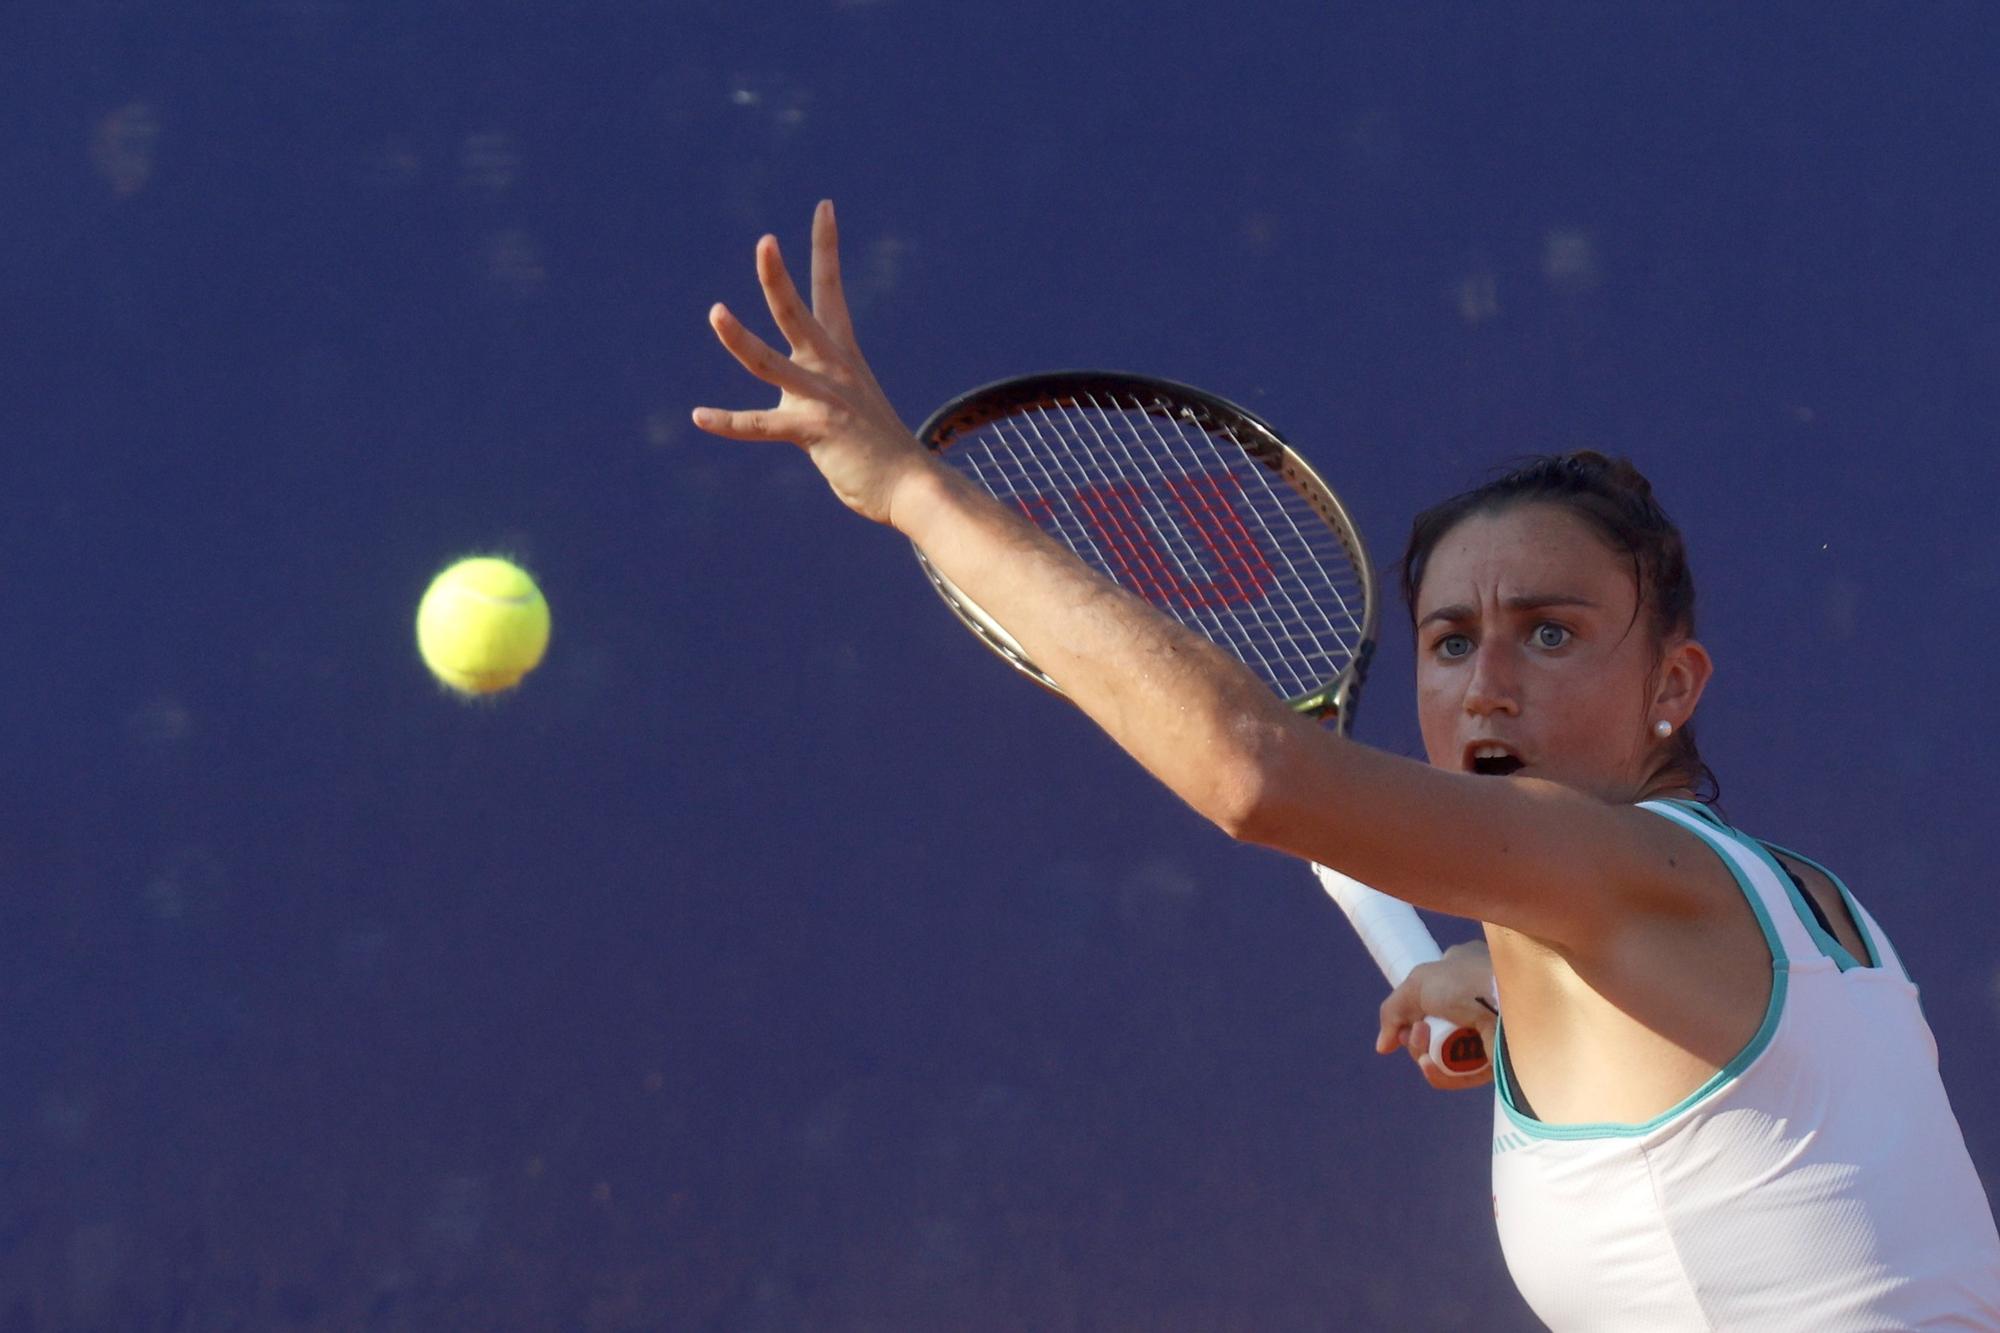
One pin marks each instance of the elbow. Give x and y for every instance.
(1251, 815)
(1246, 789)
(1235, 804)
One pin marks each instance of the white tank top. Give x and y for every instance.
(1819, 1182)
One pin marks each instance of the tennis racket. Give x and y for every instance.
(1200, 508)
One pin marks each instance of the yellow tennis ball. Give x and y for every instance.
(482, 625)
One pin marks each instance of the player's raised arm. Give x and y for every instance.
(1541, 857)
(1181, 706)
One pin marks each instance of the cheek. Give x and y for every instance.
(1604, 713)
(1437, 717)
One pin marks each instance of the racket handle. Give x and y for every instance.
(1398, 941)
(1456, 1050)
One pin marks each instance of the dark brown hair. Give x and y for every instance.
(1616, 500)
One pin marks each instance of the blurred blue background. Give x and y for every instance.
(774, 958)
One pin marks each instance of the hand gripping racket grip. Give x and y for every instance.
(1398, 941)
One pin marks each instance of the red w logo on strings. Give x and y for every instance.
(1131, 524)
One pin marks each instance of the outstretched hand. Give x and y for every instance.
(1458, 990)
(828, 401)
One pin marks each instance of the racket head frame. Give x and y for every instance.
(1332, 701)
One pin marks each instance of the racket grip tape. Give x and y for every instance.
(1397, 939)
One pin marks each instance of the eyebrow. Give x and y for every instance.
(1533, 601)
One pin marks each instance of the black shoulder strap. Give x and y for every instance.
(1819, 913)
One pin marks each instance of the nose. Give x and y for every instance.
(1493, 687)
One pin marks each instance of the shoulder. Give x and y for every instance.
(1674, 861)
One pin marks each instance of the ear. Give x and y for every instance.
(1685, 667)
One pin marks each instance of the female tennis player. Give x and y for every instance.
(1717, 1103)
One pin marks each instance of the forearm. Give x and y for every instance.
(1186, 710)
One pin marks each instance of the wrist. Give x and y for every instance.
(925, 492)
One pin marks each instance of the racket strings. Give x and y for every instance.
(1188, 519)
(1208, 607)
(1247, 636)
(1315, 608)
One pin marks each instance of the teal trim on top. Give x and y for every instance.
(1773, 1011)
(1868, 940)
(1695, 808)
(1827, 944)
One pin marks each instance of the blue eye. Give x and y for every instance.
(1550, 635)
(1453, 645)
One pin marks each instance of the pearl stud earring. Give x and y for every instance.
(1663, 728)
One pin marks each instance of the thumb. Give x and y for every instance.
(1398, 1012)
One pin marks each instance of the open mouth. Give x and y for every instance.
(1492, 761)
